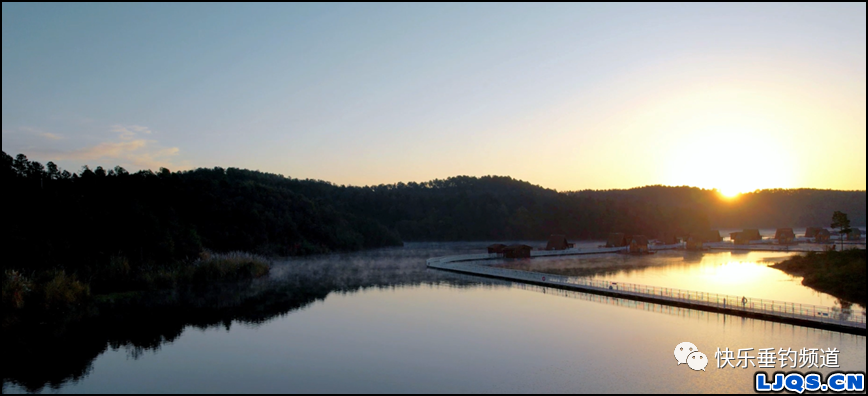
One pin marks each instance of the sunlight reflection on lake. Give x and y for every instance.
(379, 321)
(733, 273)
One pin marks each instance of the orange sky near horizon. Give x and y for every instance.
(732, 96)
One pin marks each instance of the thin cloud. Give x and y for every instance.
(107, 150)
(154, 160)
(140, 153)
(50, 136)
(41, 133)
(130, 151)
(130, 131)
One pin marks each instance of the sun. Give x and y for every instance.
(729, 192)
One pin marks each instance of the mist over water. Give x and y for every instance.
(379, 321)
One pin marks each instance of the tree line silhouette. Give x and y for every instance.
(58, 219)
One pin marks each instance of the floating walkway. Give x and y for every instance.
(767, 247)
(828, 318)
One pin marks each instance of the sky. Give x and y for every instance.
(736, 97)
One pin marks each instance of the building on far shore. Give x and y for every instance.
(711, 236)
(752, 234)
(742, 238)
(854, 235)
(559, 242)
(496, 248)
(811, 232)
(694, 243)
(517, 251)
(823, 235)
(706, 236)
(617, 239)
(638, 244)
(785, 235)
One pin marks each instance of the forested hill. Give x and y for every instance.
(53, 215)
(772, 208)
(54, 218)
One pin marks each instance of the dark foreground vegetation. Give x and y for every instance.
(839, 273)
(39, 354)
(71, 237)
(42, 355)
(56, 296)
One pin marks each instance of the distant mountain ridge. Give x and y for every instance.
(54, 216)
(770, 208)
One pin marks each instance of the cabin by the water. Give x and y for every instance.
(559, 242)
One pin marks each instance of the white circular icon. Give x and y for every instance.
(697, 361)
(682, 350)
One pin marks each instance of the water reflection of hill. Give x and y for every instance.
(50, 354)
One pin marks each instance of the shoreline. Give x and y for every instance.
(837, 273)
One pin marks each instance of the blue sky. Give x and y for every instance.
(569, 96)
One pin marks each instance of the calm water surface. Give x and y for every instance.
(732, 273)
(379, 321)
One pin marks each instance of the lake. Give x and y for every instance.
(379, 321)
(733, 273)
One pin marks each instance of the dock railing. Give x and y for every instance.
(840, 316)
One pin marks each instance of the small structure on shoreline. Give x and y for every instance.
(707, 236)
(785, 235)
(559, 242)
(517, 251)
(617, 239)
(811, 232)
(696, 239)
(713, 236)
(638, 244)
(752, 234)
(694, 243)
(741, 238)
(496, 248)
(822, 235)
(854, 235)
